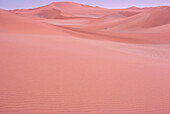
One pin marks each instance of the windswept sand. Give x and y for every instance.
(85, 63)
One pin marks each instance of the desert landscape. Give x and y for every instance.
(70, 58)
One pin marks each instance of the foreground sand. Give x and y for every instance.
(47, 66)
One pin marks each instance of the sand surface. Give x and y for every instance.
(107, 61)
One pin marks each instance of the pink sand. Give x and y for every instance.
(96, 63)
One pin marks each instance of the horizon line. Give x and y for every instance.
(38, 6)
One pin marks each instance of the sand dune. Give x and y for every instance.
(135, 20)
(17, 24)
(42, 12)
(158, 16)
(59, 61)
(80, 9)
(64, 9)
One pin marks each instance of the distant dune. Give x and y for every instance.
(69, 58)
(134, 20)
(64, 9)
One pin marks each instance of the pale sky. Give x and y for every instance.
(24, 4)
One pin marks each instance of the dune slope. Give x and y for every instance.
(64, 9)
(133, 20)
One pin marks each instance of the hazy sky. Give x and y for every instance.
(19, 4)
